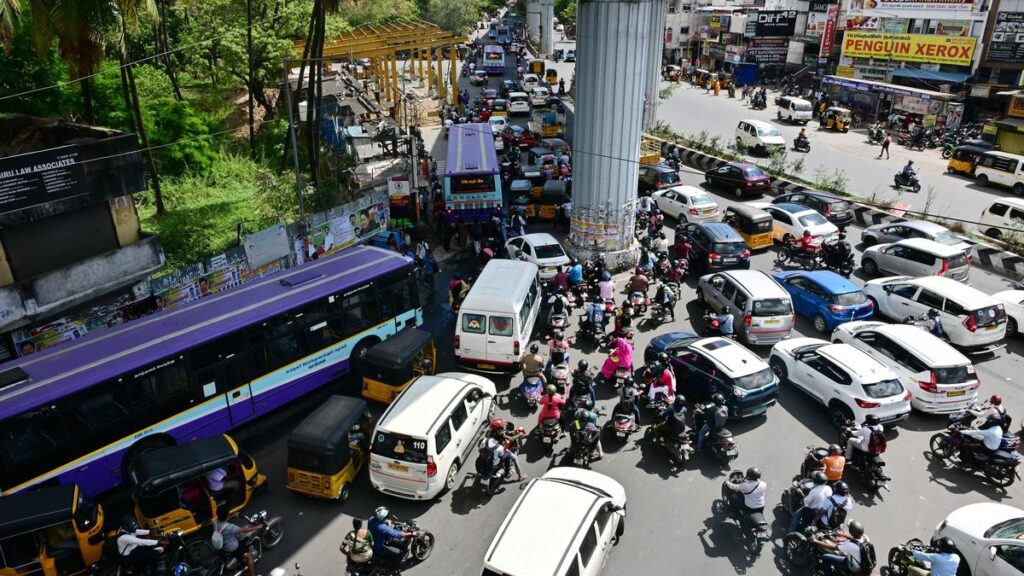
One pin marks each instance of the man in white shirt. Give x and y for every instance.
(991, 435)
(848, 548)
(138, 551)
(752, 488)
(828, 517)
(813, 501)
(860, 439)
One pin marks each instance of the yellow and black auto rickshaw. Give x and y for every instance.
(180, 487)
(393, 364)
(965, 157)
(754, 224)
(535, 67)
(551, 77)
(54, 531)
(837, 119)
(327, 450)
(552, 197)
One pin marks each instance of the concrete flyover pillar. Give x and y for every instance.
(533, 20)
(655, 48)
(612, 40)
(547, 26)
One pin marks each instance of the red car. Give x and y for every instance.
(489, 96)
(520, 136)
(740, 178)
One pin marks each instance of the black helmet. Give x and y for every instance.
(726, 310)
(718, 399)
(841, 488)
(871, 420)
(534, 348)
(842, 234)
(679, 402)
(820, 478)
(945, 545)
(583, 365)
(753, 473)
(663, 358)
(557, 335)
(834, 449)
(933, 313)
(856, 529)
(661, 235)
(807, 233)
(129, 523)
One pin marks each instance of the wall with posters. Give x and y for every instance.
(946, 5)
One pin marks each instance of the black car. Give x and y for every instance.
(656, 177)
(715, 246)
(508, 86)
(835, 209)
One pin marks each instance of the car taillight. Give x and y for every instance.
(431, 467)
(693, 211)
(745, 254)
(458, 340)
(970, 323)
(712, 256)
(747, 319)
(515, 347)
(870, 304)
(835, 308)
(907, 396)
(945, 268)
(867, 403)
(930, 385)
(750, 184)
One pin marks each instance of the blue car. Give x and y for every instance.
(825, 297)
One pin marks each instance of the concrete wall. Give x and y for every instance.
(126, 220)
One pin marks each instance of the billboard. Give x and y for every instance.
(828, 39)
(959, 5)
(776, 22)
(1007, 41)
(768, 50)
(951, 50)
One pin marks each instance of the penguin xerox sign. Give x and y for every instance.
(776, 22)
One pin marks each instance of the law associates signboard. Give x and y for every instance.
(953, 50)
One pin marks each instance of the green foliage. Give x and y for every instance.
(565, 11)
(377, 12)
(777, 162)
(796, 167)
(23, 68)
(170, 121)
(836, 181)
(455, 16)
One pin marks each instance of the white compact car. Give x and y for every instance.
(687, 204)
(530, 81)
(989, 538)
(1013, 301)
(942, 380)
(916, 257)
(970, 318)
(759, 136)
(790, 220)
(540, 248)
(848, 382)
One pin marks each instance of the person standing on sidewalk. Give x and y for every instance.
(885, 146)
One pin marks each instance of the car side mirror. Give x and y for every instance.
(992, 552)
(888, 289)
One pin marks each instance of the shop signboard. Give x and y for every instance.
(768, 50)
(894, 25)
(776, 22)
(828, 38)
(874, 23)
(820, 5)
(953, 28)
(751, 28)
(816, 22)
(1016, 108)
(1007, 41)
(909, 47)
(951, 5)
(844, 71)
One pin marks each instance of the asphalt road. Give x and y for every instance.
(667, 511)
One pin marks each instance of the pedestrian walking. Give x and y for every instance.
(885, 146)
(476, 234)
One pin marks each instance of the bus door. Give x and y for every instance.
(228, 377)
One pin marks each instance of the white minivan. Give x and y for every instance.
(518, 103)
(428, 432)
(1003, 216)
(794, 109)
(1001, 169)
(759, 137)
(564, 524)
(497, 317)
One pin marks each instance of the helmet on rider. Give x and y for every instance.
(753, 474)
(534, 348)
(834, 449)
(606, 276)
(129, 523)
(807, 233)
(945, 545)
(718, 399)
(726, 310)
(557, 336)
(592, 417)
(996, 400)
(933, 313)
(661, 235)
(663, 358)
(381, 513)
(679, 402)
(856, 529)
(841, 488)
(819, 478)
(871, 420)
(583, 365)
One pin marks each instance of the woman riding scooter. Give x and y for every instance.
(622, 357)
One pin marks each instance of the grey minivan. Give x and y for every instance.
(762, 309)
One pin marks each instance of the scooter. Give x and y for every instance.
(560, 376)
(550, 430)
(802, 145)
(902, 182)
(640, 301)
(876, 134)
(531, 390)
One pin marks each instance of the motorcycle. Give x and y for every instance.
(876, 134)
(621, 377)
(178, 555)
(790, 251)
(558, 321)
(710, 326)
(550, 430)
(758, 103)
(754, 528)
(560, 376)
(268, 534)
(622, 424)
(421, 544)
(1010, 441)
(837, 259)
(531, 390)
(792, 498)
(952, 445)
(901, 557)
(640, 301)
(869, 467)
(931, 325)
(802, 145)
(948, 148)
(902, 182)
(800, 551)
(489, 476)
(661, 313)
(678, 451)
(812, 462)
(720, 442)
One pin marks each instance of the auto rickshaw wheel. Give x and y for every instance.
(344, 493)
(355, 359)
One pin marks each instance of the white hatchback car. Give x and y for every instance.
(1013, 301)
(497, 123)
(989, 538)
(687, 204)
(848, 382)
(916, 257)
(540, 248)
(942, 380)
(789, 221)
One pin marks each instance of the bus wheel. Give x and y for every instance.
(147, 444)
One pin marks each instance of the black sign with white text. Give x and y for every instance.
(776, 22)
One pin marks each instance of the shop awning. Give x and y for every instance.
(1011, 123)
(951, 77)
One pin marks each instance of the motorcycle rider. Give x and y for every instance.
(583, 382)
(672, 421)
(639, 282)
(559, 304)
(805, 244)
(533, 364)
(575, 273)
(550, 405)
(827, 516)
(665, 383)
(859, 440)
(623, 319)
(561, 280)
(802, 136)
(908, 172)
(838, 251)
(660, 243)
(585, 430)
(715, 415)
(500, 456)
(990, 434)
(457, 290)
(752, 488)
(813, 501)
(846, 548)
(834, 463)
(991, 410)
(594, 312)
(389, 543)
(666, 298)
(135, 548)
(627, 404)
(558, 351)
(944, 561)
(725, 321)
(606, 286)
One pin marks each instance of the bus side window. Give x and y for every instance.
(398, 299)
(360, 312)
(275, 343)
(30, 444)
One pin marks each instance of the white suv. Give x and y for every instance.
(848, 382)
(942, 380)
(759, 136)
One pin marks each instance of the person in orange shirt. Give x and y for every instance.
(834, 463)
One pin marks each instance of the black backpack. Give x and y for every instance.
(838, 517)
(868, 560)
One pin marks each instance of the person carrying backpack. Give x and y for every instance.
(358, 544)
(227, 538)
(836, 508)
(869, 435)
(851, 550)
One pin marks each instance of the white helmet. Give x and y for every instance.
(381, 513)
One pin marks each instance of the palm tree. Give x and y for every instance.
(10, 10)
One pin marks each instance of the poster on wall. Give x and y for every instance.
(860, 5)
(1007, 42)
(776, 22)
(768, 50)
(816, 22)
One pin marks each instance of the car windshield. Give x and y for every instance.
(813, 219)
(546, 251)
(958, 261)
(839, 206)
(400, 447)
(772, 307)
(883, 389)
(768, 132)
(698, 199)
(753, 173)
(954, 374)
(802, 107)
(730, 248)
(755, 380)
(1011, 529)
(946, 237)
(850, 298)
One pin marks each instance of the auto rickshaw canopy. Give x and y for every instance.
(749, 219)
(157, 470)
(33, 510)
(837, 111)
(392, 360)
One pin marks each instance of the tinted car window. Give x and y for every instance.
(954, 374)
(772, 307)
(755, 380)
(931, 299)
(728, 247)
(883, 389)
(850, 298)
(998, 209)
(957, 261)
(921, 256)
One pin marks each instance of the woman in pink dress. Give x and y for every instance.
(622, 356)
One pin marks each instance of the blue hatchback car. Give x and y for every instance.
(825, 297)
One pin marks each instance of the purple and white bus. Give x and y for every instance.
(494, 56)
(472, 176)
(80, 412)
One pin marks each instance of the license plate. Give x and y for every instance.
(706, 212)
(398, 467)
(728, 260)
(622, 434)
(546, 439)
(762, 183)
(771, 322)
(759, 410)
(486, 366)
(990, 329)
(956, 393)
